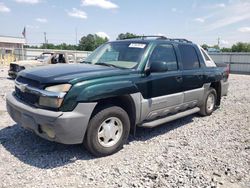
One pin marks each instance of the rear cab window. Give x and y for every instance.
(189, 57)
(208, 61)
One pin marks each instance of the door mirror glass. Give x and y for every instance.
(159, 66)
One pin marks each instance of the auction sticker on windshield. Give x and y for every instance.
(137, 45)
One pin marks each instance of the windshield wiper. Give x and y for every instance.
(87, 62)
(108, 65)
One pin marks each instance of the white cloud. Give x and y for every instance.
(200, 20)
(103, 35)
(4, 8)
(213, 6)
(32, 26)
(219, 5)
(160, 34)
(42, 20)
(224, 42)
(77, 14)
(231, 14)
(28, 1)
(173, 9)
(244, 29)
(100, 3)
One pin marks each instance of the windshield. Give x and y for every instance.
(118, 54)
(44, 57)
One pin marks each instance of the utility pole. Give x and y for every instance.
(76, 36)
(76, 44)
(45, 39)
(219, 42)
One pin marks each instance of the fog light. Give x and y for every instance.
(49, 131)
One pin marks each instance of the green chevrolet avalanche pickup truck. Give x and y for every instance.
(123, 84)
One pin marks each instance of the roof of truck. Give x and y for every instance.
(152, 38)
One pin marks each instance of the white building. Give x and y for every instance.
(9, 48)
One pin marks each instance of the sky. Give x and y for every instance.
(201, 21)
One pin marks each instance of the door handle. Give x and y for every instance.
(178, 78)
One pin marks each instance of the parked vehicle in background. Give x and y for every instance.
(213, 50)
(44, 59)
(121, 85)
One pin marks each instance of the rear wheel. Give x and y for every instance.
(107, 132)
(209, 102)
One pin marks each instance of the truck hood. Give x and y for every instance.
(63, 73)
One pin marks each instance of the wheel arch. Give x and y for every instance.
(126, 102)
(217, 87)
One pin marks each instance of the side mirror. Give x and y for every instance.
(159, 66)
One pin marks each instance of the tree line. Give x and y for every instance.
(238, 47)
(91, 41)
(87, 43)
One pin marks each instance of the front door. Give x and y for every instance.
(163, 89)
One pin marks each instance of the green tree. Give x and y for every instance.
(65, 46)
(241, 47)
(226, 49)
(215, 46)
(126, 36)
(205, 46)
(30, 46)
(91, 42)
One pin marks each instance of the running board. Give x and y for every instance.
(157, 122)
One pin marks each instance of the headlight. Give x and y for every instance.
(59, 88)
(50, 102)
(54, 102)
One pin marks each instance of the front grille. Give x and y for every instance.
(27, 97)
(28, 81)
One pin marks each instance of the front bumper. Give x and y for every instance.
(68, 127)
(12, 74)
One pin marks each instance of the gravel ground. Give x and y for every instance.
(191, 152)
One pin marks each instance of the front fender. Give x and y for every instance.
(106, 90)
(83, 92)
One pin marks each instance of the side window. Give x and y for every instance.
(164, 53)
(189, 57)
(205, 55)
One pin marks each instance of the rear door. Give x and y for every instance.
(193, 78)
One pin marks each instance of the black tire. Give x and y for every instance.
(92, 141)
(204, 108)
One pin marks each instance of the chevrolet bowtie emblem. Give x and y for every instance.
(22, 87)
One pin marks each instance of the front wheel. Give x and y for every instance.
(209, 102)
(107, 132)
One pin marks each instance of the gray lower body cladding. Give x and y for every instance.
(170, 104)
(68, 127)
(164, 106)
